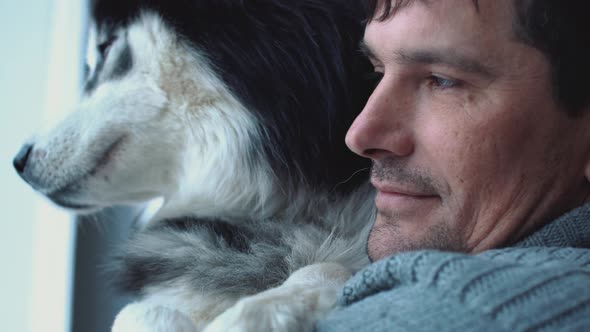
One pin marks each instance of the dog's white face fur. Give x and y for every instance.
(166, 127)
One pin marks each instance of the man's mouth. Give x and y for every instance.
(401, 199)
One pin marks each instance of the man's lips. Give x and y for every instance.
(400, 199)
(395, 189)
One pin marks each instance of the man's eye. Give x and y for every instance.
(440, 82)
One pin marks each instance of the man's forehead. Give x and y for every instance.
(441, 32)
(501, 13)
(384, 9)
(461, 17)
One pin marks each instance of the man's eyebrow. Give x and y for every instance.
(444, 57)
(434, 56)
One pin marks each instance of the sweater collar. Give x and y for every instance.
(570, 230)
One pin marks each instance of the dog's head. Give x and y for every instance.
(151, 108)
(179, 104)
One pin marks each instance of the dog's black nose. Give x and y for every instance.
(20, 161)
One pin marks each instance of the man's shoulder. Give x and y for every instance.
(436, 267)
(497, 290)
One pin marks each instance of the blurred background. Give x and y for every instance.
(53, 271)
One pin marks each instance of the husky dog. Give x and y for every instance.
(235, 112)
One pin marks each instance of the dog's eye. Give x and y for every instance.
(104, 47)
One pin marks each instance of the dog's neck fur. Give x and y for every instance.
(218, 174)
(222, 173)
(222, 170)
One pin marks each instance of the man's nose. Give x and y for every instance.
(383, 129)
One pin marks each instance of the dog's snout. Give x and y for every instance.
(22, 157)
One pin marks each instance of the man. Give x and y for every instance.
(479, 132)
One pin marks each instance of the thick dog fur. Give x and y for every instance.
(235, 112)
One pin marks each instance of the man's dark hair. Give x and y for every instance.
(558, 29)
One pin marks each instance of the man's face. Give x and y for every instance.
(470, 148)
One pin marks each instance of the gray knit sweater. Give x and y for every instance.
(540, 284)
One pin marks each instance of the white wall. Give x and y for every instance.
(35, 237)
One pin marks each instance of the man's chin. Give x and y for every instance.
(389, 236)
(384, 240)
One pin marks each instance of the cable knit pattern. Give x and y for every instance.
(570, 230)
(540, 284)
